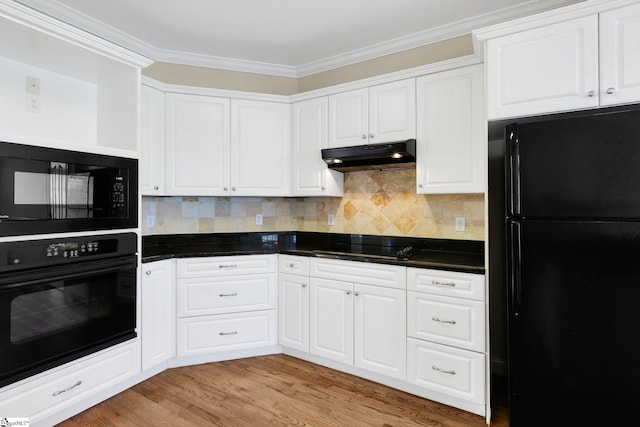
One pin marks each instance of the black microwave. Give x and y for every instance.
(47, 190)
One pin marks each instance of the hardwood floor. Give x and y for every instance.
(269, 391)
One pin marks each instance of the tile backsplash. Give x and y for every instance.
(374, 202)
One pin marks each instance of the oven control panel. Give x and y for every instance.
(35, 253)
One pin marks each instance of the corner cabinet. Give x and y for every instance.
(197, 145)
(451, 132)
(260, 148)
(377, 114)
(581, 63)
(311, 176)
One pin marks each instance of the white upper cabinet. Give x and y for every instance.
(586, 62)
(311, 176)
(260, 148)
(152, 141)
(378, 114)
(451, 132)
(552, 68)
(198, 150)
(620, 55)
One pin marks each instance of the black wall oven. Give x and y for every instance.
(64, 298)
(46, 190)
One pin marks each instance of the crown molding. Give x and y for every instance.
(62, 12)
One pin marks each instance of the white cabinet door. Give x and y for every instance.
(382, 113)
(552, 68)
(260, 148)
(152, 139)
(620, 55)
(392, 111)
(311, 176)
(380, 330)
(198, 137)
(331, 319)
(349, 118)
(451, 140)
(293, 311)
(158, 312)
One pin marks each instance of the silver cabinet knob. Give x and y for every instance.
(364, 136)
(348, 292)
(420, 185)
(371, 135)
(155, 187)
(226, 188)
(356, 293)
(148, 272)
(591, 93)
(233, 188)
(304, 285)
(323, 188)
(611, 91)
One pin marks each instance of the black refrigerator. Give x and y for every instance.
(570, 266)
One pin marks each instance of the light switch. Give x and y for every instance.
(460, 223)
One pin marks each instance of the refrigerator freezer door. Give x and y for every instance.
(584, 166)
(574, 322)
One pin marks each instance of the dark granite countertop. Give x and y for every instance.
(443, 254)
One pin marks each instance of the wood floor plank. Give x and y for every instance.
(275, 390)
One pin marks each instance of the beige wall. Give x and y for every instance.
(375, 202)
(262, 83)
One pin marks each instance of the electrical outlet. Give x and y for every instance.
(331, 219)
(151, 221)
(33, 103)
(258, 219)
(33, 85)
(460, 223)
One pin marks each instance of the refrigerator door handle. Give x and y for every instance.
(514, 274)
(513, 170)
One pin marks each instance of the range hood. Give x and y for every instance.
(390, 155)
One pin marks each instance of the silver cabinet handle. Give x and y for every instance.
(228, 333)
(291, 265)
(227, 266)
(371, 135)
(233, 188)
(356, 293)
(233, 294)
(451, 322)
(420, 185)
(304, 285)
(148, 272)
(226, 188)
(435, 368)
(348, 292)
(155, 187)
(435, 282)
(55, 393)
(591, 93)
(364, 136)
(322, 188)
(611, 91)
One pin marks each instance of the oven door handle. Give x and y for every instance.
(64, 272)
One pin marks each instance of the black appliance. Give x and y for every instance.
(46, 190)
(572, 265)
(391, 155)
(61, 299)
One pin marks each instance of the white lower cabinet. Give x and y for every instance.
(293, 302)
(225, 304)
(158, 330)
(42, 397)
(355, 323)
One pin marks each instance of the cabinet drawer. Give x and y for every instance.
(455, 372)
(451, 321)
(55, 391)
(448, 283)
(391, 276)
(293, 264)
(223, 332)
(224, 266)
(201, 296)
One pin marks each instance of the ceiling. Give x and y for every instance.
(281, 37)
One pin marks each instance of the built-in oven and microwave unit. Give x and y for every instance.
(47, 190)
